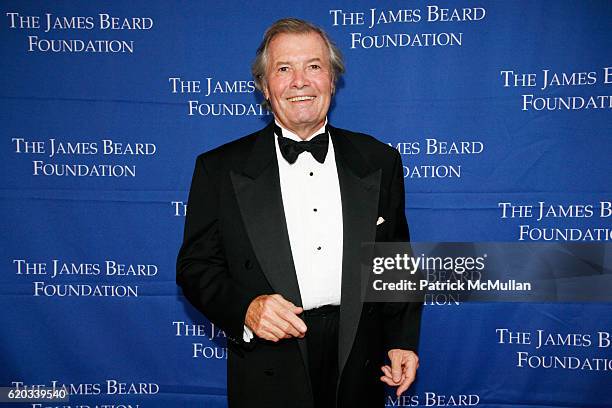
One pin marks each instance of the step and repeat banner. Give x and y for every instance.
(501, 111)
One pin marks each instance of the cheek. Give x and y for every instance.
(325, 87)
(276, 92)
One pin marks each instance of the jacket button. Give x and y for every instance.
(248, 264)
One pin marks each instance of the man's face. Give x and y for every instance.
(298, 81)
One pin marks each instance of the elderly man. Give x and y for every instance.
(273, 236)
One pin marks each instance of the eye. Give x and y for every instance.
(315, 67)
(283, 69)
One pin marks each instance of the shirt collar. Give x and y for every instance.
(290, 135)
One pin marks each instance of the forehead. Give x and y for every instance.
(290, 47)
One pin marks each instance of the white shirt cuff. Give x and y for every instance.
(247, 334)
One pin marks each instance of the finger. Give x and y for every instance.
(388, 381)
(295, 321)
(286, 327)
(266, 335)
(273, 321)
(404, 386)
(273, 311)
(286, 311)
(406, 383)
(396, 366)
(387, 371)
(272, 329)
(410, 374)
(287, 304)
(272, 335)
(286, 320)
(411, 366)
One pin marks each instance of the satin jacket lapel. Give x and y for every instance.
(260, 200)
(359, 187)
(261, 205)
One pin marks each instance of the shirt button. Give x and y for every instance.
(314, 209)
(311, 173)
(318, 248)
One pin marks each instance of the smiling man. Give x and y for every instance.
(298, 81)
(272, 243)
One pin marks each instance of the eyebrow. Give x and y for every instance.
(307, 62)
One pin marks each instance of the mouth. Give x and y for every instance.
(301, 98)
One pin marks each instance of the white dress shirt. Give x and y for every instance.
(313, 211)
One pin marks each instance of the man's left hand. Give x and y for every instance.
(402, 372)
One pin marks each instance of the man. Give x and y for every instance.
(273, 237)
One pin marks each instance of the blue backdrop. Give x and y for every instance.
(500, 109)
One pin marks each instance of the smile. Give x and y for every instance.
(300, 98)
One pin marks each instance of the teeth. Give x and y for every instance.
(301, 98)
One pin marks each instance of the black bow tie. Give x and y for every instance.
(290, 149)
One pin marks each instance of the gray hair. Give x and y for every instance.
(292, 26)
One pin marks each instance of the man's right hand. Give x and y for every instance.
(273, 318)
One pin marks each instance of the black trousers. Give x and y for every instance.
(322, 342)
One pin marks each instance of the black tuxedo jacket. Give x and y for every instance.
(236, 247)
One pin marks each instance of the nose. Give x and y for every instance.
(299, 79)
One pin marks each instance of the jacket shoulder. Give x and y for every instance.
(368, 145)
(230, 153)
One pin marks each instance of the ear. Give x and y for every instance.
(264, 89)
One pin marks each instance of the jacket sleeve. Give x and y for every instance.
(402, 321)
(202, 267)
